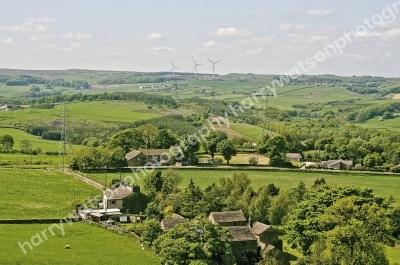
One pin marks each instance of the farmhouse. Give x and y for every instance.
(114, 198)
(294, 157)
(228, 218)
(243, 243)
(337, 164)
(137, 158)
(167, 224)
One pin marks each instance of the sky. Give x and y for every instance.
(259, 36)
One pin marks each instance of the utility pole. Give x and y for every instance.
(64, 134)
(265, 115)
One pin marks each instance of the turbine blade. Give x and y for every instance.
(193, 68)
(210, 61)
(218, 61)
(194, 60)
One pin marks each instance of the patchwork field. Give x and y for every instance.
(40, 193)
(89, 245)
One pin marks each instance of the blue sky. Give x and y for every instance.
(254, 36)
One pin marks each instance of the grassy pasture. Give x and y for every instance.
(45, 145)
(382, 185)
(40, 193)
(251, 131)
(375, 123)
(89, 245)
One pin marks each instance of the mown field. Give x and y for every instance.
(43, 144)
(89, 245)
(39, 193)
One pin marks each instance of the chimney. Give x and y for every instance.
(250, 223)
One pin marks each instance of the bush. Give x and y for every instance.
(218, 160)
(253, 161)
(395, 169)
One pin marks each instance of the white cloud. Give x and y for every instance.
(154, 36)
(30, 25)
(209, 44)
(368, 34)
(262, 15)
(73, 46)
(318, 12)
(232, 32)
(254, 51)
(41, 37)
(82, 36)
(78, 36)
(7, 41)
(318, 38)
(68, 35)
(162, 48)
(393, 33)
(286, 27)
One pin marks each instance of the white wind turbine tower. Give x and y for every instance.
(213, 69)
(195, 67)
(173, 69)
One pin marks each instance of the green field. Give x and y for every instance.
(382, 185)
(88, 113)
(89, 245)
(254, 132)
(40, 193)
(45, 145)
(391, 124)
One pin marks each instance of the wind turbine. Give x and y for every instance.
(173, 69)
(195, 66)
(213, 69)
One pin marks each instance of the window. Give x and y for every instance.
(113, 202)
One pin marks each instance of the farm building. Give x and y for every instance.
(114, 198)
(228, 218)
(294, 157)
(137, 158)
(167, 224)
(337, 164)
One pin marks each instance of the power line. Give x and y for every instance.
(65, 147)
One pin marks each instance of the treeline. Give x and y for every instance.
(363, 90)
(137, 96)
(176, 123)
(366, 113)
(133, 80)
(24, 80)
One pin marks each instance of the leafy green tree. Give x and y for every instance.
(189, 146)
(136, 202)
(191, 203)
(281, 207)
(128, 140)
(26, 146)
(6, 143)
(326, 207)
(195, 242)
(153, 183)
(272, 190)
(166, 138)
(152, 211)
(275, 148)
(149, 135)
(395, 222)
(259, 206)
(151, 231)
(170, 181)
(226, 149)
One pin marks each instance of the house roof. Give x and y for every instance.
(241, 233)
(228, 216)
(167, 224)
(294, 155)
(118, 193)
(260, 228)
(333, 162)
(132, 154)
(154, 152)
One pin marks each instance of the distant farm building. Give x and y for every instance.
(294, 157)
(337, 164)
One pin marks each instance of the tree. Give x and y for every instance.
(210, 145)
(326, 207)
(152, 211)
(190, 145)
(170, 181)
(195, 242)
(128, 140)
(6, 143)
(395, 222)
(281, 207)
(136, 202)
(226, 149)
(149, 135)
(275, 148)
(153, 183)
(369, 161)
(26, 146)
(191, 201)
(272, 190)
(259, 207)
(151, 231)
(166, 138)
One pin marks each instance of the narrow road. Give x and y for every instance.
(85, 179)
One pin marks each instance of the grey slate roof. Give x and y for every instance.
(167, 224)
(241, 233)
(228, 216)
